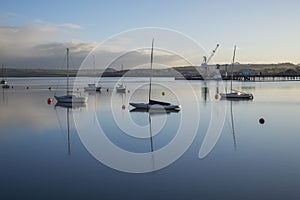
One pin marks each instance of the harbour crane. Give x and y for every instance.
(206, 60)
(210, 72)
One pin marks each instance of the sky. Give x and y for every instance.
(35, 34)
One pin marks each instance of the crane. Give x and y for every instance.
(206, 60)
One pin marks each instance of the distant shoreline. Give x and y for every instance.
(283, 69)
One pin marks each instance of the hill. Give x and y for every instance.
(186, 71)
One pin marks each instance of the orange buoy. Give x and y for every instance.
(49, 101)
(123, 107)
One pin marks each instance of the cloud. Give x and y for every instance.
(40, 45)
(70, 26)
(43, 45)
(131, 59)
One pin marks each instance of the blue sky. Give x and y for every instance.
(265, 31)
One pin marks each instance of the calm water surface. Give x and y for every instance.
(41, 159)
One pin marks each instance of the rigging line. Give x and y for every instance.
(233, 58)
(73, 68)
(68, 65)
(58, 80)
(151, 62)
(94, 68)
(2, 71)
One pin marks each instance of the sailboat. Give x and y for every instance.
(92, 86)
(121, 88)
(4, 82)
(154, 104)
(235, 94)
(69, 98)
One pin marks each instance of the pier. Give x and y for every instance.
(264, 77)
(254, 78)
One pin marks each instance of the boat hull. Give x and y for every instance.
(70, 99)
(146, 106)
(121, 90)
(155, 111)
(237, 96)
(90, 89)
(5, 86)
(70, 105)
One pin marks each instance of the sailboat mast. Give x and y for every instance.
(233, 58)
(67, 71)
(3, 71)
(151, 62)
(94, 68)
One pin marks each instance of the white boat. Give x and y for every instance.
(69, 98)
(4, 84)
(121, 88)
(235, 94)
(154, 104)
(92, 86)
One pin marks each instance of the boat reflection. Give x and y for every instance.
(232, 126)
(153, 115)
(4, 97)
(205, 92)
(68, 107)
(71, 105)
(154, 111)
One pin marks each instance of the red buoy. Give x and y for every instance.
(123, 107)
(216, 96)
(49, 101)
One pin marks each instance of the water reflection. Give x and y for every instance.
(232, 125)
(204, 92)
(68, 125)
(68, 107)
(4, 97)
(34, 159)
(154, 111)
